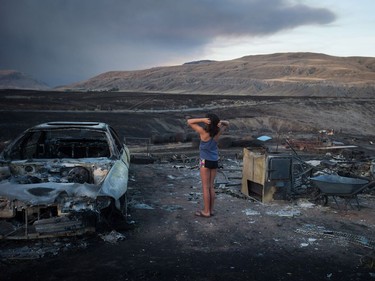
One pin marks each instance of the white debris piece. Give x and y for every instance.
(113, 237)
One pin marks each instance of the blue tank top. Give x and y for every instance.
(208, 150)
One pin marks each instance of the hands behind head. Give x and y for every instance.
(223, 123)
(207, 121)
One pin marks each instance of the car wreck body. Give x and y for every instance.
(62, 178)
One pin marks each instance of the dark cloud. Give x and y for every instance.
(64, 41)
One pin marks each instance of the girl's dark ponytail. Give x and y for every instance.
(213, 128)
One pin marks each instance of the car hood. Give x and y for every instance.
(47, 193)
(50, 179)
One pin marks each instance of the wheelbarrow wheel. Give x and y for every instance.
(321, 200)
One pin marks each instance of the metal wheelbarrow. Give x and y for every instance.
(337, 186)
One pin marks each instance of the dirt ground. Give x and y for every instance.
(244, 240)
(163, 240)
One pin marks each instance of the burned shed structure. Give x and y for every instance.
(269, 176)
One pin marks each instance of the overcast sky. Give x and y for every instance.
(64, 41)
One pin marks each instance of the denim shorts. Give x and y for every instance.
(208, 164)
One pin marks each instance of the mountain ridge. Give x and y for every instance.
(274, 74)
(289, 74)
(13, 79)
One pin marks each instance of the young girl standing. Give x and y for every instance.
(209, 129)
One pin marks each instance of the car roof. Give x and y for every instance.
(69, 124)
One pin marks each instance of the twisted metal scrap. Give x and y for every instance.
(352, 238)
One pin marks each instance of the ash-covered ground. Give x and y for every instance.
(292, 239)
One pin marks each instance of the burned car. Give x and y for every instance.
(62, 178)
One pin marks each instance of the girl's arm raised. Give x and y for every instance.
(223, 125)
(194, 123)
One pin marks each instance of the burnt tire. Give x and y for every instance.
(124, 205)
(321, 200)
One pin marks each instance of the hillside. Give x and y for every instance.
(293, 74)
(11, 79)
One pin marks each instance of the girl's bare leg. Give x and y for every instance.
(212, 189)
(206, 181)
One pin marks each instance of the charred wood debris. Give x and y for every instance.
(315, 154)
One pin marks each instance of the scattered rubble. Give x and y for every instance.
(321, 231)
(164, 195)
(112, 237)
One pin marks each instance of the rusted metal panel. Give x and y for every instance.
(266, 177)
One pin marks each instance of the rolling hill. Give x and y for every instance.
(289, 74)
(12, 79)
